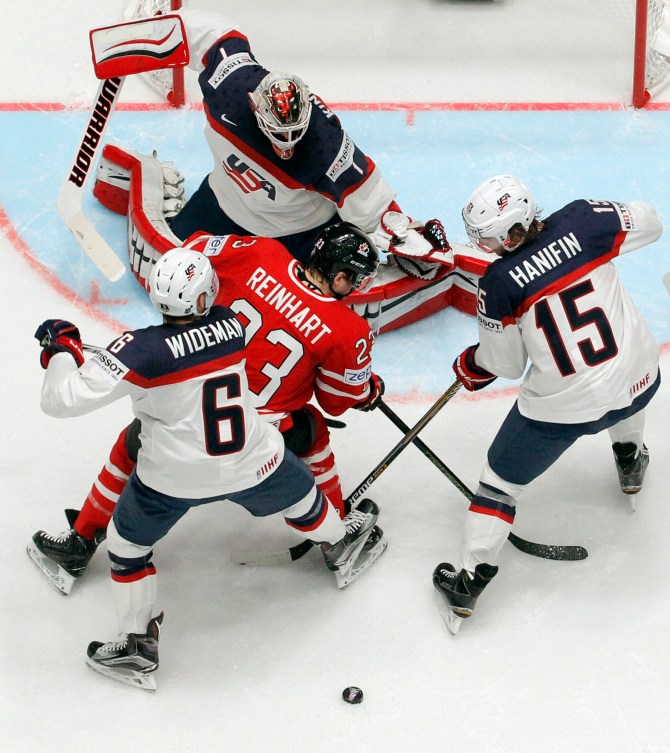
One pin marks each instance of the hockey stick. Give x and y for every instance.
(546, 551)
(118, 51)
(293, 553)
(69, 202)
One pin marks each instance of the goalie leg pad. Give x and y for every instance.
(398, 299)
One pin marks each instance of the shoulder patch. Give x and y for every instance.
(358, 376)
(215, 245)
(626, 215)
(229, 65)
(111, 368)
(344, 159)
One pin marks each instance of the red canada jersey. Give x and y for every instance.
(299, 342)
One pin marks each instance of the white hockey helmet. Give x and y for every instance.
(282, 108)
(494, 208)
(178, 279)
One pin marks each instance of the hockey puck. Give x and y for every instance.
(352, 695)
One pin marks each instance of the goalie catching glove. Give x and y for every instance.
(419, 249)
(471, 376)
(59, 336)
(401, 236)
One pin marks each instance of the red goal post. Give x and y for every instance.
(652, 49)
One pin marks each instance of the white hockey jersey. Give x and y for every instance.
(559, 303)
(200, 435)
(261, 192)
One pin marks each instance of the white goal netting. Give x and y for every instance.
(657, 62)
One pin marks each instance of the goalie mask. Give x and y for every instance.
(282, 108)
(494, 208)
(344, 248)
(178, 279)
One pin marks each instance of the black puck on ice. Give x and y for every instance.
(352, 695)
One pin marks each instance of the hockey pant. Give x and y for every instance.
(101, 500)
(144, 516)
(522, 450)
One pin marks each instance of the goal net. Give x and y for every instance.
(168, 82)
(652, 49)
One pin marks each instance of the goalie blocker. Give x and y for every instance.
(148, 192)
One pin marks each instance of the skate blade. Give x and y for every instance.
(60, 579)
(142, 680)
(452, 617)
(362, 563)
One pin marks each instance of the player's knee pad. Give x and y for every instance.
(148, 192)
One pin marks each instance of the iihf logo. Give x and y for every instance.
(503, 201)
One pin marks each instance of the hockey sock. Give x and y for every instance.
(101, 500)
(321, 461)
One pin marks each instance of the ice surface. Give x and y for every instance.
(559, 657)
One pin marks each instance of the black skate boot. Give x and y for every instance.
(130, 660)
(63, 558)
(631, 465)
(362, 544)
(458, 591)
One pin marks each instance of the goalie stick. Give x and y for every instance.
(279, 557)
(69, 202)
(119, 50)
(566, 552)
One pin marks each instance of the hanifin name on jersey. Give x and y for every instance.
(199, 338)
(545, 259)
(287, 303)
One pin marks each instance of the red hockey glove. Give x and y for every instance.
(57, 335)
(376, 392)
(471, 376)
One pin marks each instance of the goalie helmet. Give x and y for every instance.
(178, 279)
(282, 108)
(344, 248)
(494, 208)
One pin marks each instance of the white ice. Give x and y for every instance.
(559, 657)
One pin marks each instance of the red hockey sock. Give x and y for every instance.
(101, 500)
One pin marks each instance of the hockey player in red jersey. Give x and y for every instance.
(555, 299)
(285, 168)
(302, 342)
(202, 442)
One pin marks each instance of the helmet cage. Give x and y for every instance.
(494, 208)
(178, 279)
(282, 108)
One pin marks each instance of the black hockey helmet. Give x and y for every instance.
(344, 248)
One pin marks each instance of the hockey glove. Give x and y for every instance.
(471, 376)
(57, 335)
(376, 391)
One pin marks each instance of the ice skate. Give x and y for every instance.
(63, 558)
(458, 592)
(362, 545)
(631, 465)
(130, 660)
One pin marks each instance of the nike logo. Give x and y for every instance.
(227, 120)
